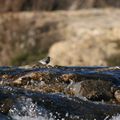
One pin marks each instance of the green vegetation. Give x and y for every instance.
(27, 58)
(114, 60)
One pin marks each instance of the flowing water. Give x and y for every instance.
(29, 105)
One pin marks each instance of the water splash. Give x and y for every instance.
(25, 109)
(29, 118)
(117, 117)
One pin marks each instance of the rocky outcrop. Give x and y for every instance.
(94, 84)
(93, 90)
(59, 92)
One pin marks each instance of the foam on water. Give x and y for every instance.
(29, 118)
(117, 117)
(25, 109)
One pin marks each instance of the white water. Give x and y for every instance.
(25, 109)
(29, 118)
(117, 117)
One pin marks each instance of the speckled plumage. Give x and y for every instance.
(45, 61)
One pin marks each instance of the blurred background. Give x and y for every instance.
(72, 32)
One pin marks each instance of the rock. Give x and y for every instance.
(4, 117)
(59, 92)
(117, 95)
(40, 81)
(61, 106)
(94, 83)
(96, 90)
(69, 77)
(5, 105)
(6, 102)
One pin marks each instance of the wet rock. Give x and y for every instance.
(4, 117)
(35, 76)
(59, 79)
(117, 95)
(61, 106)
(95, 90)
(6, 102)
(68, 77)
(60, 91)
(5, 105)
(40, 81)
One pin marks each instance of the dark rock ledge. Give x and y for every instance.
(71, 93)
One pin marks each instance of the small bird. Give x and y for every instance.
(45, 61)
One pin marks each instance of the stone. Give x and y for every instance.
(117, 95)
(96, 90)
